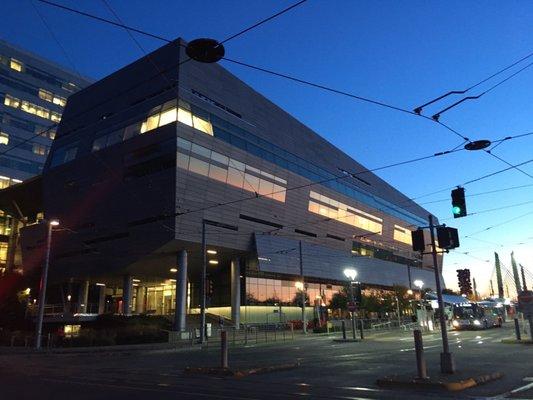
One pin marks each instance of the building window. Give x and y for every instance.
(60, 101)
(4, 138)
(229, 171)
(55, 116)
(323, 205)
(46, 95)
(40, 149)
(16, 65)
(402, 235)
(63, 155)
(11, 101)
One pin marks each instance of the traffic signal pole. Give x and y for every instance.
(447, 365)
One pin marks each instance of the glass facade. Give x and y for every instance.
(267, 291)
(323, 205)
(222, 168)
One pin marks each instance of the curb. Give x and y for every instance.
(515, 341)
(239, 373)
(449, 386)
(346, 340)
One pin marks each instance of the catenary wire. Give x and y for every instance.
(262, 21)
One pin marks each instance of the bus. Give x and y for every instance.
(480, 315)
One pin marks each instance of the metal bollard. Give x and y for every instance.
(353, 327)
(361, 329)
(292, 331)
(530, 318)
(245, 335)
(419, 350)
(223, 349)
(517, 329)
(343, 322)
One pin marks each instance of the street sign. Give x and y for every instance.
(351, 306)
(525, 303)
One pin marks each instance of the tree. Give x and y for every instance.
(339, 301)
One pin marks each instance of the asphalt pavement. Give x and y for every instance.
(327, 370)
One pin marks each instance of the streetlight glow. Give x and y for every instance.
(350, 273)
(299, 285)
(54, 222)
(418, 283)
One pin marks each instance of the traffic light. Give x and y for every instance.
(448, 237)
(458, 203)
(417, 238)
(465, 285)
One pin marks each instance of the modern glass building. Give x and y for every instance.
(151, 157)
(33, 95)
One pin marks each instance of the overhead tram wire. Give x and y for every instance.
(480, 193)
(375, 102)
(262, 22)
(420, 108)
(437, 116)
(499, 224)
(344, 93)
(508, 163)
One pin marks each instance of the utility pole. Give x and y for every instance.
(304, 321)
(446, 359)
(202, 284)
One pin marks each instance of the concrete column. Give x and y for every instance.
(181, 293)
(126, 294)
(101, 299)
(83, 297)
(235, 272)
(139, 300)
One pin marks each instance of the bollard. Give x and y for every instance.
(517, 329)
(343, 322)
(234, 330)
(245, 335)
(353, 327)
(223, 349)
(361, 329)
(530, 318)
(419, 350)
(292, 331)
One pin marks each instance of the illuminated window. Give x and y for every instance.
(11, 101)
(4, 182)
(168, 116)
(46, 95)
(202, 125)
(151, 123)
(402, 234)
(184, 116)
(52, 134)
(39, 149)
(4, 138)
(16, 65)
(341, 212)
(55, 116)
(60, 101)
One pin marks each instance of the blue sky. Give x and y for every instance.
(402, 53)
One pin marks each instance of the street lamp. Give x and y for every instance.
(418, 283)
(351, 274)
(301, 287)
(42, 284)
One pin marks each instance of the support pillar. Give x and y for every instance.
(235, 271)
(139, 299)
(126, 295)
(83, 297)
(101, 299)
(181, 293)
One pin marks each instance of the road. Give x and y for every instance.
(327, 370)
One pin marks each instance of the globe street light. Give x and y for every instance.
(42, 284)
(301, 287)
(351, 274)
(418, 283)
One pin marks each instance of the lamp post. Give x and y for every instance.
(419, 284)
(42, 284)
(301, 287)
(351, 274)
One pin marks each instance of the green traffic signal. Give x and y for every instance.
(456, 210)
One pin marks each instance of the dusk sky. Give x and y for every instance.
(400, 53)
